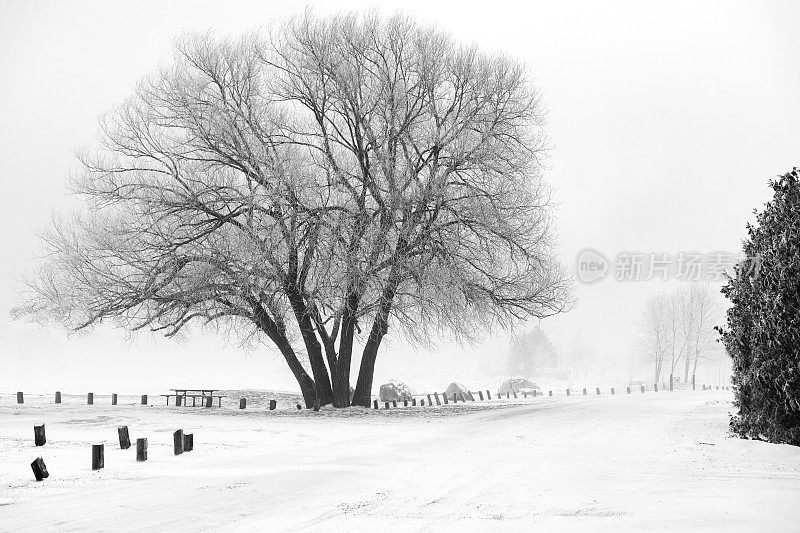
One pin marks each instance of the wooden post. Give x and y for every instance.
(584, 391)
(598, 390)
(20, 398)
(178, 400)
(188, 442)
(480, 395)
(38, 435)
(629, 390)
(177, 442)
(124, 437)
(98, 456)
(113, 398)
(525, 394)
(141, 449)
(508, 395)
(90, 399)
(299, 407)
(144, 402)
(242, 403)
(612, 390)
(39, 469)
(429, 400)
(655, 387)
(471, 396)
(671, 379)
(394, 403)
(436, 395)
(567, 392)
(386, 405)
(374, 404)
(444, 396)
(272, 405)
(488, 394)
(414, 402)
(515, 394)
(405, 403)
(422, 403)
(549, 393)
(209, 401)
(693, 382)
(58, 396)
(643, 388)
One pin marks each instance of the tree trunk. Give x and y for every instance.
(380, 325)
(264, 322)
(322, 381)
(341, 373)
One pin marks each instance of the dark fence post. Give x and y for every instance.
(272, 405)
(598, 390)
(178, 400)
(612, 390)
(429, 400)
(629, 390)
(414, 402)
(405, 403)
(642, 388)
(655, 387)
(98, 456)
(480, 395)
(144, 402)
(113, 398)
(242, 403)
(299, 407)
(567, 392)
(209, 401)
(422, 403)
(471, 396)
(436, 395)
(515, 394)
(188, 442)
(549, 393)
(124, 437)
(20, 398)
(671, 379)
(90, 399)
(38, 435)
(375, 404)
(394, 403)
(39, 469)
(141, 449)
(58, 396)
(488, 394)
(444, 397)
(584, 391)
(177, 442)
(693, 382)
(386, 405)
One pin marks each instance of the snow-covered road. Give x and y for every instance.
(644, 461)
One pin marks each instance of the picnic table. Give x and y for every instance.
(206, 396)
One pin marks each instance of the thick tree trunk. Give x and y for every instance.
(265, 323)
(322, 381)
(380, 325)
(341, 371)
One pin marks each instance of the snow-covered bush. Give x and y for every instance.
(763, 331)
(395, 391)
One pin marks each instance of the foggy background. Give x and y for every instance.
(666, 120)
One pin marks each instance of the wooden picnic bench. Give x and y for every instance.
(206, 396)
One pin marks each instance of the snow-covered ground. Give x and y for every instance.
(644, 461)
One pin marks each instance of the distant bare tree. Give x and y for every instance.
(701, 309)
(315, 184)
(654, 331)
(530, 350)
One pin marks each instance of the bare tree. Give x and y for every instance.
(530, 350)
(702, 309)
(314, 185)
(654, 330)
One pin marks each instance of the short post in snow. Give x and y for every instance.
(508, 395)
(655, 387)
(39, 437)
(598, 390)
(444, 397)
(58, 396)
(480, 395)
(394, 403)
(642, 388)
(488, 394)
(90, 398)
(177, 442)
(693, 387)
(188, 442)
(629, 390)
(386, 405)
(567, 392)
(671, 380)
(144, 399)
(242, 403)
(405, 403)
(584, 391)
(550, 393)
(272, 405)
(124, 437)
(20, 398)
(422, 403)
(612, 390)
(98, 456)
(515, 394)
(525, 394)
(414, 402)
(299, 407)
(113, 398)
(374, 404)
(39, 469)
(429, 399)
(141, 450)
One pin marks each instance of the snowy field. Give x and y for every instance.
(644, 461)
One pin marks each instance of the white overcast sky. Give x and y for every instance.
(667, 120)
